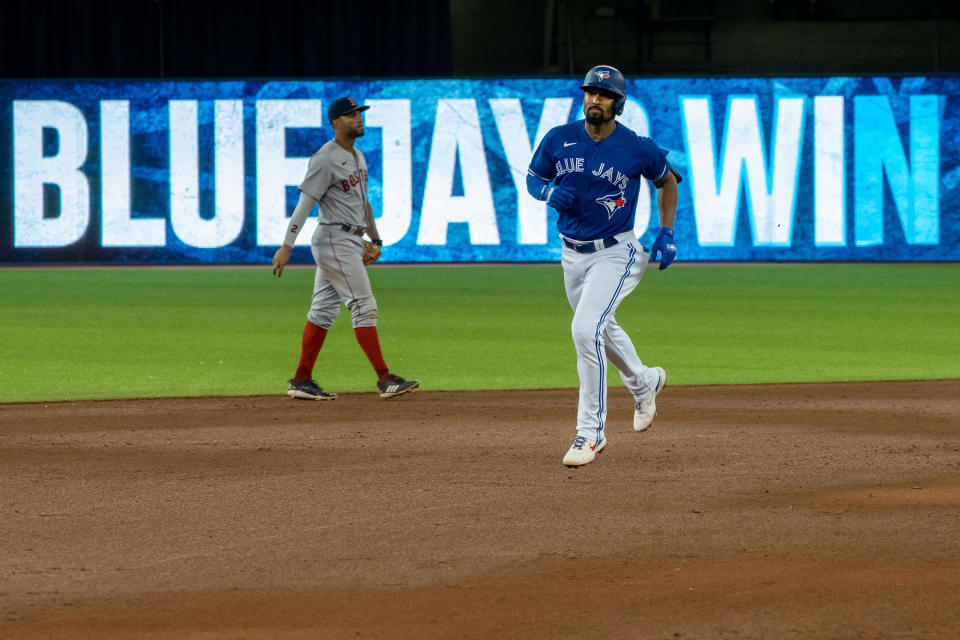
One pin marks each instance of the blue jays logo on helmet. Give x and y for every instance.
(612, 203)
(609, 79)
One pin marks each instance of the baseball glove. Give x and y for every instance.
(371, 252)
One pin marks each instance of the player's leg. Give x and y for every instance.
(643, 382)
(346, 272)
(619, 349)
(610, 276)
(574, 271)
(324, 307)
(639, 379)
(587, 442)
(341, 257)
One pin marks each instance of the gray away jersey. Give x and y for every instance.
(338, 181)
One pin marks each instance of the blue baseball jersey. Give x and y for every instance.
(604, 174)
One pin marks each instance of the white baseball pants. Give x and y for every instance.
(596, 284)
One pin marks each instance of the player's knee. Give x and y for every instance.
(363, 312)
(323, 318)
(584, 334)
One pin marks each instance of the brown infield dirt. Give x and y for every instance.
(775, 511)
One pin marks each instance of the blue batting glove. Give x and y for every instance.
(559, 197)
(664, 244)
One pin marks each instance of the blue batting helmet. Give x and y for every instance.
(609, 79)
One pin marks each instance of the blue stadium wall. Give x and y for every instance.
(826, 168)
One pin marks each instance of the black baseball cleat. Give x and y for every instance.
(395, 386)
(308, 390)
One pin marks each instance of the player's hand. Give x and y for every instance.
(280, 259)
(664, 244)
(559, 197)
(371, 252)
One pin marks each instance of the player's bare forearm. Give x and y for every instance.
(667, 196)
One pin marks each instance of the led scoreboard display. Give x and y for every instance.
(852, 168)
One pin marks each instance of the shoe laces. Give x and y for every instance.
(579, 442)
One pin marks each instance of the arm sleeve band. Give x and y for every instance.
(300, 213)
(537, 186)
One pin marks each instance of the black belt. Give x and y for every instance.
(357, 231)
(590, 247)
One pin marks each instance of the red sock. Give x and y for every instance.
(370, 343)
(313, 337)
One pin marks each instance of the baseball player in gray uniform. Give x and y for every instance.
(337, 179)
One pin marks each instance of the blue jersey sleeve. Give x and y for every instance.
(542, 164)
(653, 165)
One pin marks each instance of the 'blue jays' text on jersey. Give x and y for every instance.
(605, 175)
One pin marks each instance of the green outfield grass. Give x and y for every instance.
(115, 333)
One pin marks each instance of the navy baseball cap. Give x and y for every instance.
(342, 107)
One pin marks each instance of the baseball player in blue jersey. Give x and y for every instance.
(590, 172)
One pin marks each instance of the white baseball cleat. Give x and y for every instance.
(583, 451)
(647, 408)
